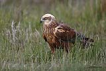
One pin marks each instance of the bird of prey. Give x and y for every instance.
(59, 35)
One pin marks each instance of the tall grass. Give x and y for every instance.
(23, 48)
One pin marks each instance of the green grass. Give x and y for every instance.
(22, 47)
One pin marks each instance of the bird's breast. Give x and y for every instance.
(49, 35)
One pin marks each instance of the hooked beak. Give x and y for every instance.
(40, 21)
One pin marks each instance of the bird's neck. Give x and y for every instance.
(49, 28)
(51, 25)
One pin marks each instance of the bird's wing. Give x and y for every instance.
(65, 33)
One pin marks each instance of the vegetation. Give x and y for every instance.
(22, 47)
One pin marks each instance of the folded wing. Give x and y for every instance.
(65, 33)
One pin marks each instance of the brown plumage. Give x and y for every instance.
(59, 35)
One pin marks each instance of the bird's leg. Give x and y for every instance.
(66, 47)
(52, 50)
(67, 50)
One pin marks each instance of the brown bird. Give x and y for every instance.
(59, 35)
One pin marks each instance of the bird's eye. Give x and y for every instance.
(45, 18)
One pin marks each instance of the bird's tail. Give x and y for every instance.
(85, 42)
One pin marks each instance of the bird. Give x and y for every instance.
(59, 35)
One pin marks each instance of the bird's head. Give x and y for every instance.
(47, 19)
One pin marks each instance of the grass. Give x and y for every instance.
(22, 47)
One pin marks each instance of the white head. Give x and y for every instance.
(47, 19)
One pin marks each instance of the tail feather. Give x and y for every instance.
(85, 42)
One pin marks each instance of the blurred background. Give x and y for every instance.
(20, 10)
